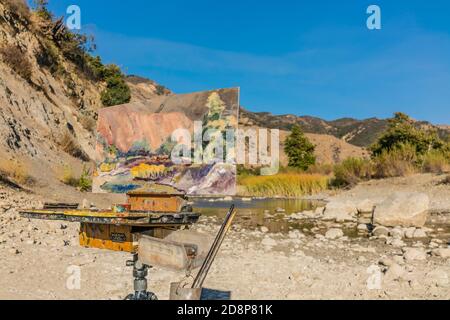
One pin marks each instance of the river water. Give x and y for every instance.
(270, 213)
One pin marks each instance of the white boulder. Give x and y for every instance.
(403, 209)
(340, 211)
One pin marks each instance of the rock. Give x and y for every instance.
(334, 233)
(319, 210)
(280, 210)
(397, 233)
(438, 278)
(403, 209)
(397, 243)
(394, 272)
(268, 242)
(362, 259)
(409, 233)
(228, 198)
(340, 211)
(414, 254)
(14, 251)
(264, 229)
(398, 259)
(365, 205)
(442, 252)
(380, 231)
(246, 199)
(362, 227)
(419, 233)
(386, 262)
(294, 234)
(319, 237)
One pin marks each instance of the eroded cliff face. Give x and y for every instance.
(38, 113)
(47, 121)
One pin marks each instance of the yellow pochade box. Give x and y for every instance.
(108, 236)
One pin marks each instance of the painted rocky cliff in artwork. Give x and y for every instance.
(136, 143)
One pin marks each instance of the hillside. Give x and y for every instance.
(48, 103)
(360, 133)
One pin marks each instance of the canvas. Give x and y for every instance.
(181, 141)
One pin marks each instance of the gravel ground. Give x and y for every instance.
(40, 259)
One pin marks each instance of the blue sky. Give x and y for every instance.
(303, 57)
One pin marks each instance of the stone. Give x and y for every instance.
(397, 243)
(442, 253)
(319, 210)
(438, 278)
(380, 231)
(228, 198)
(264, 229)
(365, 205)
(294, 234)
(394, 272)
(409, 233)
(334, 233)
(268, 242)
(340, 211)
(362, 227)
(386, 262)
(405, 209)
(280, 210)
(414, 254)
(397, 233)
(419, 233)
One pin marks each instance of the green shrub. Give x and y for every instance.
(352, 171)
(242, 170)
(85, 181)
(40, 7)
(82, 183)
(160, 90)
(17, 60)
(117, 91)
(402, 131)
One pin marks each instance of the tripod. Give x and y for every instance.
(140, 272)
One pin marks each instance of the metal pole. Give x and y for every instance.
(201, 276)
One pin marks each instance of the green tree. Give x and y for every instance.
(41, 9)
(299, 149)
(402, 131)
(117, 91)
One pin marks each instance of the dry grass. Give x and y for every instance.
(435, 162)
(352, 171)
(399, 162)
(19, 7)
(446, 180)
(17, 60)
(284, 185)
(16, 172)
(88, 122)
(82, 182)
(70, 146)
(325, 169)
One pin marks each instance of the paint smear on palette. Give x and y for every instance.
(134, 144)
